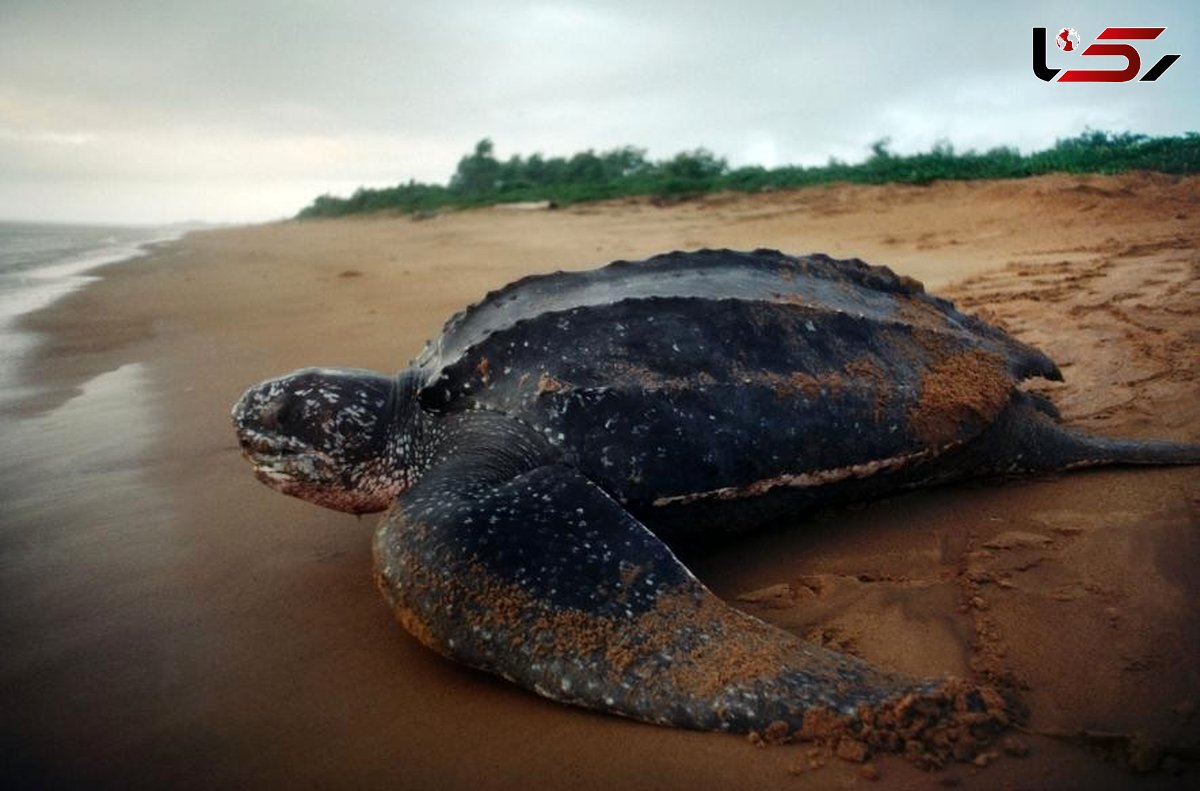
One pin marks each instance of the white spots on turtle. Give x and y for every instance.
(808, 325)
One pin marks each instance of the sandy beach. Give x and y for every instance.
(168, 621)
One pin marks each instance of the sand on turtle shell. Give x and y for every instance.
(966, 388)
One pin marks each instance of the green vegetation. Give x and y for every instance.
(481, 179)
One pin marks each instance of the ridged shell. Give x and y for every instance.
(718, 370)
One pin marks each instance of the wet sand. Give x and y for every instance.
(168, 620)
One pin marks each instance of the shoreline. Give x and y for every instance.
(250, 647)
(30, 286)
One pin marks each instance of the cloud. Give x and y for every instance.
(49, 137)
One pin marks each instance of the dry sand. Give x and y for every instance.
(168, 620)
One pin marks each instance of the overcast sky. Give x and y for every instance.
(159, 111)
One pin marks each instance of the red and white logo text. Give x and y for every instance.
(1113, 42)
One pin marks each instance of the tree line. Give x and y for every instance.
(482, 179)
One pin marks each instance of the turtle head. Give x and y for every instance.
(326, 435)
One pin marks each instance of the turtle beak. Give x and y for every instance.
(240, 407)
(241, 425)
(249, 421)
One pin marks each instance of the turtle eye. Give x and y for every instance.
(280, 414)
(287, 413)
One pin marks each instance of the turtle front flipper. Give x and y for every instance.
(544, 579)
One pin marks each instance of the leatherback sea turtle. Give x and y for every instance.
(539, 456)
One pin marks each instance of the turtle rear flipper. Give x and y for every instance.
(1027, 437)
(1079, 449)
(544, 579)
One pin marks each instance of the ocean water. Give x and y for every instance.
(82, 550)
(41, 263)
